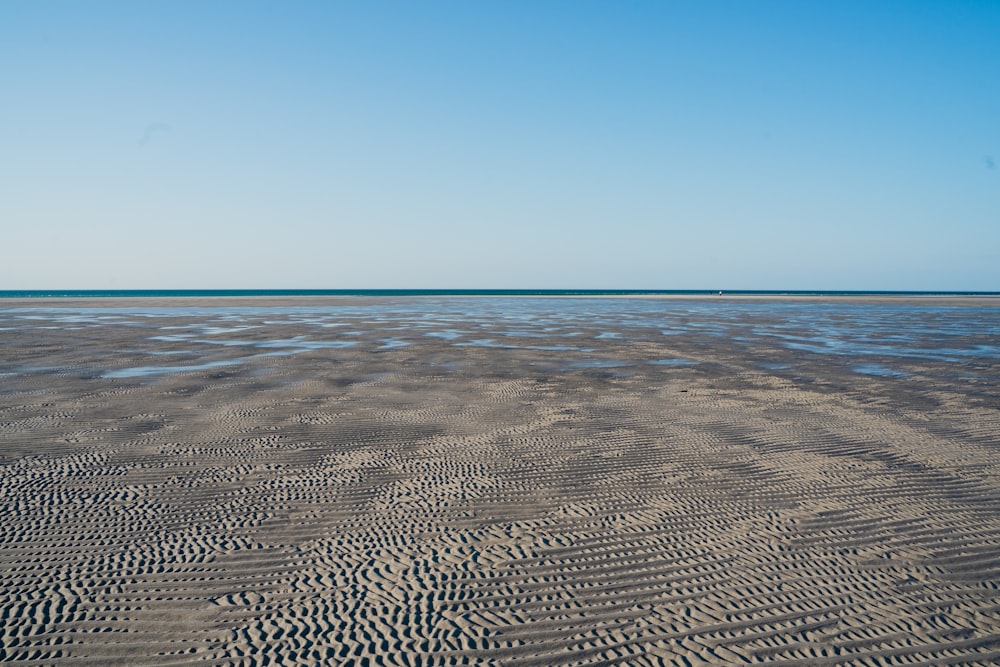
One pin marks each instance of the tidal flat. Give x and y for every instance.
(509, 481)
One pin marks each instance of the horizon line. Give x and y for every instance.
(435, 291)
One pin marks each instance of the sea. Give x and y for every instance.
(157, 293)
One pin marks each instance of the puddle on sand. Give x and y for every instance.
(775, 367)
(24, 370)
(286, 348)
(218, 331)
(523, 334)
(847, 348)
(880, 371)
(150, 371)
(390, 343)
(489, 342)
(673, 362)
(596, 363)
(173, 338)
(446, 334)
(298, 343)
(545, 333)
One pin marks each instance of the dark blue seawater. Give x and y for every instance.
(78, 294)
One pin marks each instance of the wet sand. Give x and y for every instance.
(500, 481)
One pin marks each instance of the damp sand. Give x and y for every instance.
(271, 482)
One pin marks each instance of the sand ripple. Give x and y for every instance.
(440, 504)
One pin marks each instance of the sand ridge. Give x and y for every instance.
(614, 482)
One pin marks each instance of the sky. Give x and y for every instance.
(487, 144)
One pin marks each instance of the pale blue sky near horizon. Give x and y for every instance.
(656, 145)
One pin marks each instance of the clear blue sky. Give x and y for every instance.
(671, 145)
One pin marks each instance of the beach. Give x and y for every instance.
(509, 481)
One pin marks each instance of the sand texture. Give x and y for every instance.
(500, 481)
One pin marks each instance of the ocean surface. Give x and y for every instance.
(81, 294)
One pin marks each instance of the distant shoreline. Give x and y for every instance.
(328, 298)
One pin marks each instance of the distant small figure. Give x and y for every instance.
(720, 292)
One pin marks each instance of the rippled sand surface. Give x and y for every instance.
(500, 481)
